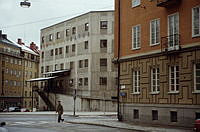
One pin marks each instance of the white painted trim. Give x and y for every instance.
(132, 46)
(193, 21)
(155, 30)
(135, 5)
(195, 89)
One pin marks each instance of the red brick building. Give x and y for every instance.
(157, 44)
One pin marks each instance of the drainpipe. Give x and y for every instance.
(119, 116)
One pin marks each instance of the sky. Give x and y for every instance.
(25, 23)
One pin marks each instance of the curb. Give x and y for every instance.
(103, 125)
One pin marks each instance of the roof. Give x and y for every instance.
(40, 79)
(26, 49)
(60, 71)
(6, 41)
(73, 17)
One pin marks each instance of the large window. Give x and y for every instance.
(155, 80)
(103, 62)
(155, 31)
(58, 35)
(173, 116)
(86, 44)
(196, 21)
(136, 82)
(67, 32)
(197, 77)
(51, 52)
(86, 81)
(103, 43)
(74, 30)
(50, 37)
(174, 78)
(86, 62)
(73, 47)
(135, 114)
(86, 26)
(135, 3)
(67, 49)
(80, 63)
(136, 37)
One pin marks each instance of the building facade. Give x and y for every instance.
(14, 68)
(157, 47)
(83, 44)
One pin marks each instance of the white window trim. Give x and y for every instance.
(138, 47)
(175, 88)
(137, 4)
(151, 32)
(193, 21)
(177, 13)
(138, 82)
(195, 89)
(154, 92)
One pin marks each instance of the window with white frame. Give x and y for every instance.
(174, 78)
(155, 80)
(136, 37)
(136, 3)
(196, 21)
(155, 31)
(136, 81)
(197, 77)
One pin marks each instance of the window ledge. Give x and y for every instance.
(135, 93)
(173, 92)
(155, 92)
(156, 44)
(136, 48)
(196, 92)
(195, 36)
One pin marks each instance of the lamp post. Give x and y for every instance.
(74, 102)
(25, 4)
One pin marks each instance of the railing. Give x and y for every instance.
(167, 3)
(171, 42)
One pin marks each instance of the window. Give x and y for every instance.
(135, 114)
(86, 44)
(103, 81)
(52, 52)
(86, 81)
(61, 66)
(174, 78)
(86, 62)
(71, 82)
(197, 77)
(56, 67)
(136, 82)
(86, 26)
(56, 51)
(196, 21)
(71, 65)
(67, 49)
(136, 37)
(58, 35)
(173, 31)
(42, 39)
(155, 80)
(74, 30)
(155, 31)
(50, 37)
(42, 54)
(154, 115)
(20, 62)
(103, 43)
(67, 32)
(103, 24)
(73, 47)
(197, 115)
(80, 81)
(47, 68)
(60, 50)
(80, 63)
(173, 116)
(103, 62)
(42, 69)
(135, 3)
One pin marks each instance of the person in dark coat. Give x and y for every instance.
(60, 111)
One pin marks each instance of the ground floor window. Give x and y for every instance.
(197, 115)
(173, 116)
(154, 115)
(135, 114)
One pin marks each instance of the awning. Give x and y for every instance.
(40, 79)
(60, 71)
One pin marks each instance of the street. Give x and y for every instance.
(48, 123)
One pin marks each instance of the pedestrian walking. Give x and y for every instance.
(60, 111)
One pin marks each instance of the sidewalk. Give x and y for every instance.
(102, 119)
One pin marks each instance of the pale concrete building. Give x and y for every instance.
(84, 45)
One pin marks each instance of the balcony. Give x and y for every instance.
(167, 3)
(170, 43)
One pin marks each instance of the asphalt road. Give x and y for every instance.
(48, 123)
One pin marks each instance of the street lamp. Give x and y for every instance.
(25, 4)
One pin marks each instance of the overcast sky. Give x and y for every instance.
(25, 23)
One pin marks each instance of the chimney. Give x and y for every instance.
(0, 32)
(19, 41)
(33, 46)
(4, 36)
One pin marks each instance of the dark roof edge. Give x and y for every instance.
(76, 17)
